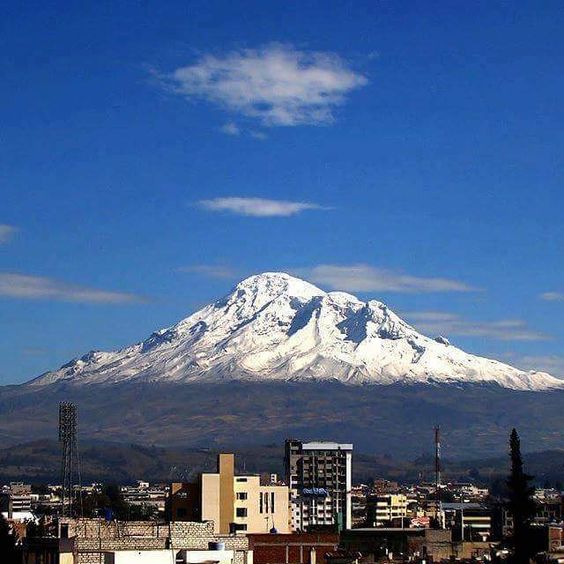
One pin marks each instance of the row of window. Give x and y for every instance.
(263, 502)
(266, 503)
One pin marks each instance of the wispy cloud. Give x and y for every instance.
(257, 207)
(366, 278)
(231, 128)
(552, 364)
(447, 324)
(552, 296)
(23, 286)
(276, 84)
(6, 232)
(210, 270)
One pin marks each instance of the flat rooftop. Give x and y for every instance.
(326, 445)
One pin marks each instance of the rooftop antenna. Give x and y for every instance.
(70, 463)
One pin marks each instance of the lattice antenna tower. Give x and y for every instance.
(70, 462)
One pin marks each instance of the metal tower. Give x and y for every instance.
(438, 475)
(438, 461)
(70, 463)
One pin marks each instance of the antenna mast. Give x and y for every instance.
(70, 464)
(438, 471)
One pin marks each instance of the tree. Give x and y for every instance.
(7, 542)
(520, 504)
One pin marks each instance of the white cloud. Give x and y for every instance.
(257, 207)
(258, 135)
(366, 278)
(552, 364)
(6, 232)
(23, 286)
(276, 84)
(552, 297)
(211, 270)
(231, 128)
(442, 323)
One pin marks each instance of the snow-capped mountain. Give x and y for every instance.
(274, 327)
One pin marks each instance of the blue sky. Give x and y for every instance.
(152, 154)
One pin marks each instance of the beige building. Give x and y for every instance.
(382, 510)
(240, 503)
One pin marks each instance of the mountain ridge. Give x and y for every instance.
(275, 327)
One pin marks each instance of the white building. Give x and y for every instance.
(319, 476)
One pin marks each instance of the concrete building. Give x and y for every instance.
(319, 475)
(234, 503)
(386, 510)
(96, 541)
(295, 548)
(143, 494)
(468, 521)
(16, 501)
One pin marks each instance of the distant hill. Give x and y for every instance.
(39, 462)
(393, 420)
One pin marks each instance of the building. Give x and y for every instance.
(387, 510)
(234, 503)
(405, 544)
(16, 500)
(319, 476)
(145, 495)
(468, 521)
(89, 541)
(295, 548)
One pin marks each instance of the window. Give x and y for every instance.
(241, 512)
(271, 502)
(242, 495)
(240, 479)
(261, 508)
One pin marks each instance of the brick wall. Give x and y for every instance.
(93, 537)
(291, 548)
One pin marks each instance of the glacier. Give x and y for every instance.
(276, 327)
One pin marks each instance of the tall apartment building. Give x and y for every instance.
(319, 477)
(234, 503)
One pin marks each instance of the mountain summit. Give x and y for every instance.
(274, 327)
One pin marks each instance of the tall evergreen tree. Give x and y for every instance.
(520, 505)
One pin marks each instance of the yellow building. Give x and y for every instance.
(241, 503)
(383, 510)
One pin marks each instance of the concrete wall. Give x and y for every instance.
(256, 521)
(210, 499)
(226, 467)
(140, 557)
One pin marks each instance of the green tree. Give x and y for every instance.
(520, 504)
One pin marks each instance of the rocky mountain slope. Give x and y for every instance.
(273, 327)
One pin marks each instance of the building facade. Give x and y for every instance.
(234, 503)
(319, 477)
(385, 510)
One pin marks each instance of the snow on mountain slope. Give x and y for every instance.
(276, 327)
